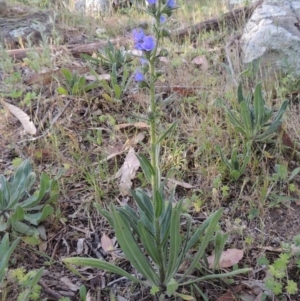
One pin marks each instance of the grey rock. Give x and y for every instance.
(92, 6)
(272, 36)
(231, 4)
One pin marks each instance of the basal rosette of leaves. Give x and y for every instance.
(20, 210)
(151, 237)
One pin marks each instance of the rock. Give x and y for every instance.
(99, 6)
(231, 4)
(92, 6)
(272, 36)
(3, 8)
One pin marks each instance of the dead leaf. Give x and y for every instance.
(69, 284)
(182, 184)
(80, 245)
(228, 258)
(99, 77)
(139, 125)
(128, 171)
(106, 243)
(28, 125)
(164, 59)
(184, 91)
(229, 295)
(201, 61)
(134, 141)
(89, 296)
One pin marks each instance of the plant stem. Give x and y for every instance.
(156, 177)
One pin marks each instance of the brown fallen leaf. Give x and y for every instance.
(99, 77)
(134, 140)
(127, 172)
(139, 125)
(106, 243)
(73, 287)
(25, 120)
(182, 184)
(201, 61)
(229, 295)
(228, 258)
(184, 91)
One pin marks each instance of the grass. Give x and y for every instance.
(85, 135)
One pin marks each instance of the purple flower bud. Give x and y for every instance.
(139, 76)
(151, 2)
(162, 19)
(148, 43)
(171, 3)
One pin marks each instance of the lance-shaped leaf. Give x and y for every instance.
(175, 242)
(211, 228)
(131, 249)
(103, 265)
(149, 243)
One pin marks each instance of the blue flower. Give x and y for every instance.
(138, 37)
(151, 2)
(139, 76)
(171, 3)
(148, 43)
(162, 19)
(141, 41)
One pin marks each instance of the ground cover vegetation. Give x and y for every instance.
(159, 169)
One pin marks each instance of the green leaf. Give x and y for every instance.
(259, 107)
(130, 216)
(33, 282)
(149, 243)
(25, 229)
(37, 218)
(105, 213)
(172, 286)
(211, 228)
(103, 265)
(164, 135)
(291, 287)
(220, 241)
(240, 95)
(131, 249)
(159, 203)
(17, 216)
(144, 203)
(5, 252)
(165, 224)
(247, 119)
(118, 91)
(175, 242)
(294, 174)
(31, 240)
(146, 166)
(67, 74)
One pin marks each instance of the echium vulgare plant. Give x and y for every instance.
(150, 237)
